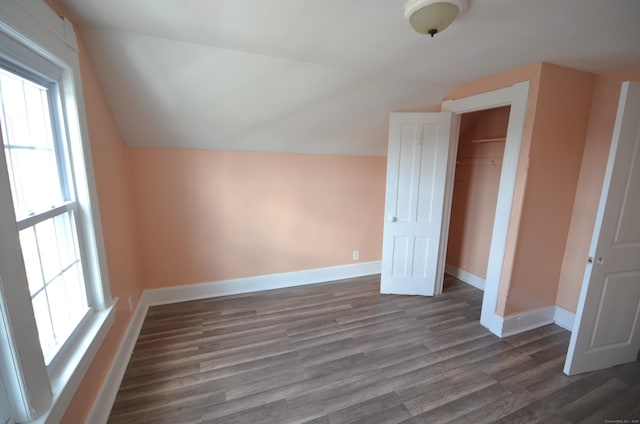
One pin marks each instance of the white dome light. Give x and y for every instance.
(433, 16)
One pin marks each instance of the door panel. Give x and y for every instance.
(420, 264)
(619, 301)
(427, 192)
(400, 254)
(416, 176)
(628, 228)
(607, 328)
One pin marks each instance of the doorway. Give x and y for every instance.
(516, 97)
(420, 171)
(481, 143)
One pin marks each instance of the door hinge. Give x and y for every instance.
(598, 261)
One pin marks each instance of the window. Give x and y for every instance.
(55, 302)
(44, 202)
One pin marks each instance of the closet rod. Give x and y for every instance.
(489, 140)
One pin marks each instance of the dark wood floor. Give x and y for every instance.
(342, 353)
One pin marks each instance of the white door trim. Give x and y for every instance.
(517, 97)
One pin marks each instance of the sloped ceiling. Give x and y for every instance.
(321, 76)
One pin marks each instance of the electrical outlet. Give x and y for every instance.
(130, 304)
(356, 255)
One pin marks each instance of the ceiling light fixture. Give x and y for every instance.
(433, 16)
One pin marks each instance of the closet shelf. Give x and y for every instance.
(489, 140)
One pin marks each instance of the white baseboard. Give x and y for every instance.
(564, 318)
(462, 275)
(260, 283)
(525, 321)
(101, 408)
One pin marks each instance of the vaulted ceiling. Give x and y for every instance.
(321, 76)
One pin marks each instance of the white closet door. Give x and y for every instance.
(416, 176)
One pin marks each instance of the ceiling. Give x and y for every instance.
(321, 76)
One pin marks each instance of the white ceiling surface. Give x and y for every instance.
(321, 76)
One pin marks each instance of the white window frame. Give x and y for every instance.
(36, 392)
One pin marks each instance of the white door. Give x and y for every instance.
(607, 331)
(416, 175)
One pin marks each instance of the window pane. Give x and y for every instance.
(34, 180)
(48, 245)
(67, 303)
(37, 105)
(31, 259)
(29, 145)
(15, 113)
(43, 320)
(75, 291)
(67, 243)
(63, 302)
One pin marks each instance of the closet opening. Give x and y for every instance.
(480, 152)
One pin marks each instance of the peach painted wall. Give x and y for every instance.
(475, 190)
(207, 216)
(116, 212)
(555, 154)
(594, 162)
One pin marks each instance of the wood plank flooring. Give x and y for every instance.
(342, 353)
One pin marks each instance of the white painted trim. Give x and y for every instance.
(564, 318)
(106, 396)
(517, 96)
(465, 276)
(103, 403)
(260, 283)
(66, 380)
(482, 101)
(529, 320)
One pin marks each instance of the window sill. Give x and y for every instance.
(65, 380)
